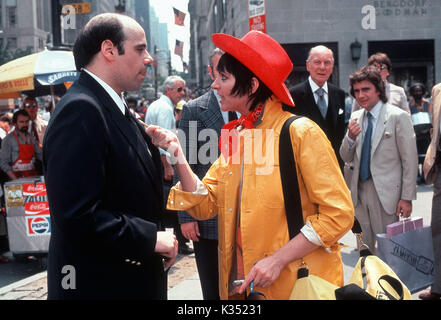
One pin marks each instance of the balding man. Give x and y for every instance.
(321, 101)
(104, 176)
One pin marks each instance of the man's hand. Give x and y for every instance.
(404, 208)
(354, 129)
(168, 168)
(167, 246)
(190, 230)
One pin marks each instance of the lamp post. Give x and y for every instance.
(355, 50)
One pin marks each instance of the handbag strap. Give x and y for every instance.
(290, 184)
(393, 282)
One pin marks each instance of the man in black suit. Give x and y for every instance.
(321, 101)
(104, 176)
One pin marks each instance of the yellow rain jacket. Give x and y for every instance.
(326, 201)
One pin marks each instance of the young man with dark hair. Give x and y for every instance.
(395, 95)
(381, 145)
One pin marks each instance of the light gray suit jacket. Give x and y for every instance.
(394, 157)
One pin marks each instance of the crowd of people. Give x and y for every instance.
(141, 168)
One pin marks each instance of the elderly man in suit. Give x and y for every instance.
(396, 95)
(104, 176)
(319, 100)
(432, 173)
(381, 145)
(199, 115)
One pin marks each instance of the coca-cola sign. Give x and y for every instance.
(34, 190)
(36, 208)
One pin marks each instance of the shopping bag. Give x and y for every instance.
(404, 225)
(311, 287)
(410, 255)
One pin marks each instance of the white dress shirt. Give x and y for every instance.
(375, 112)
(314, 88)
(115, 97)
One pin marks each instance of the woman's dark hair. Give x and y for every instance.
(369, 73)
(21, 112)
(413, 86)
(243, 76)
(89, 41)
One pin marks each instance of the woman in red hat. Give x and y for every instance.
(244, 189)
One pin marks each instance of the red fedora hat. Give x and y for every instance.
(264, 56)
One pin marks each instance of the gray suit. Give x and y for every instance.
(197, 115)
(393, 165)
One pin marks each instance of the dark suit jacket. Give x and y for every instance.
(201, 113)
(105, 198)
(334, 124)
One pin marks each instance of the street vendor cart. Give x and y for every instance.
(27, 217)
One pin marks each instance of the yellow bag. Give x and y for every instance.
(378, 279)
(311, 287)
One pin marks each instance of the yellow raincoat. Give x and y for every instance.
(326, 201)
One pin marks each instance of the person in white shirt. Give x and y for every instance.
(162, 113)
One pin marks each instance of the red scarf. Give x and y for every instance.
(246, 122)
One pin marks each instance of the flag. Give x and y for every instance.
(179, 47)
(179, 17)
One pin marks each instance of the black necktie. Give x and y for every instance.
(232, 115)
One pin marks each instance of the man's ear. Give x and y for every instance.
(108, 50)
(210, 71)
(254, 85)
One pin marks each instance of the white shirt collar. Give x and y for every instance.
(167, 100)
(314, 85)
(118, 99)
(375, 112)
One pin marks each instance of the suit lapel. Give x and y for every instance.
(122, 123)
(310, 100)
(360, 136)
(211, 116)
(332, 113)
(379, 128)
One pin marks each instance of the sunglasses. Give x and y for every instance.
(381, 67)
(28, 105)
(180, 89)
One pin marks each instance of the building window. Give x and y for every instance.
(12, 43)
(11, 13)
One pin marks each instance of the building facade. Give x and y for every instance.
(24, 24)
(408, 31)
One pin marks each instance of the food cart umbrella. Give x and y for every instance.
(43, 73)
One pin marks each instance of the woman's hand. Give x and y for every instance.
(263, 273)
(167, 140)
